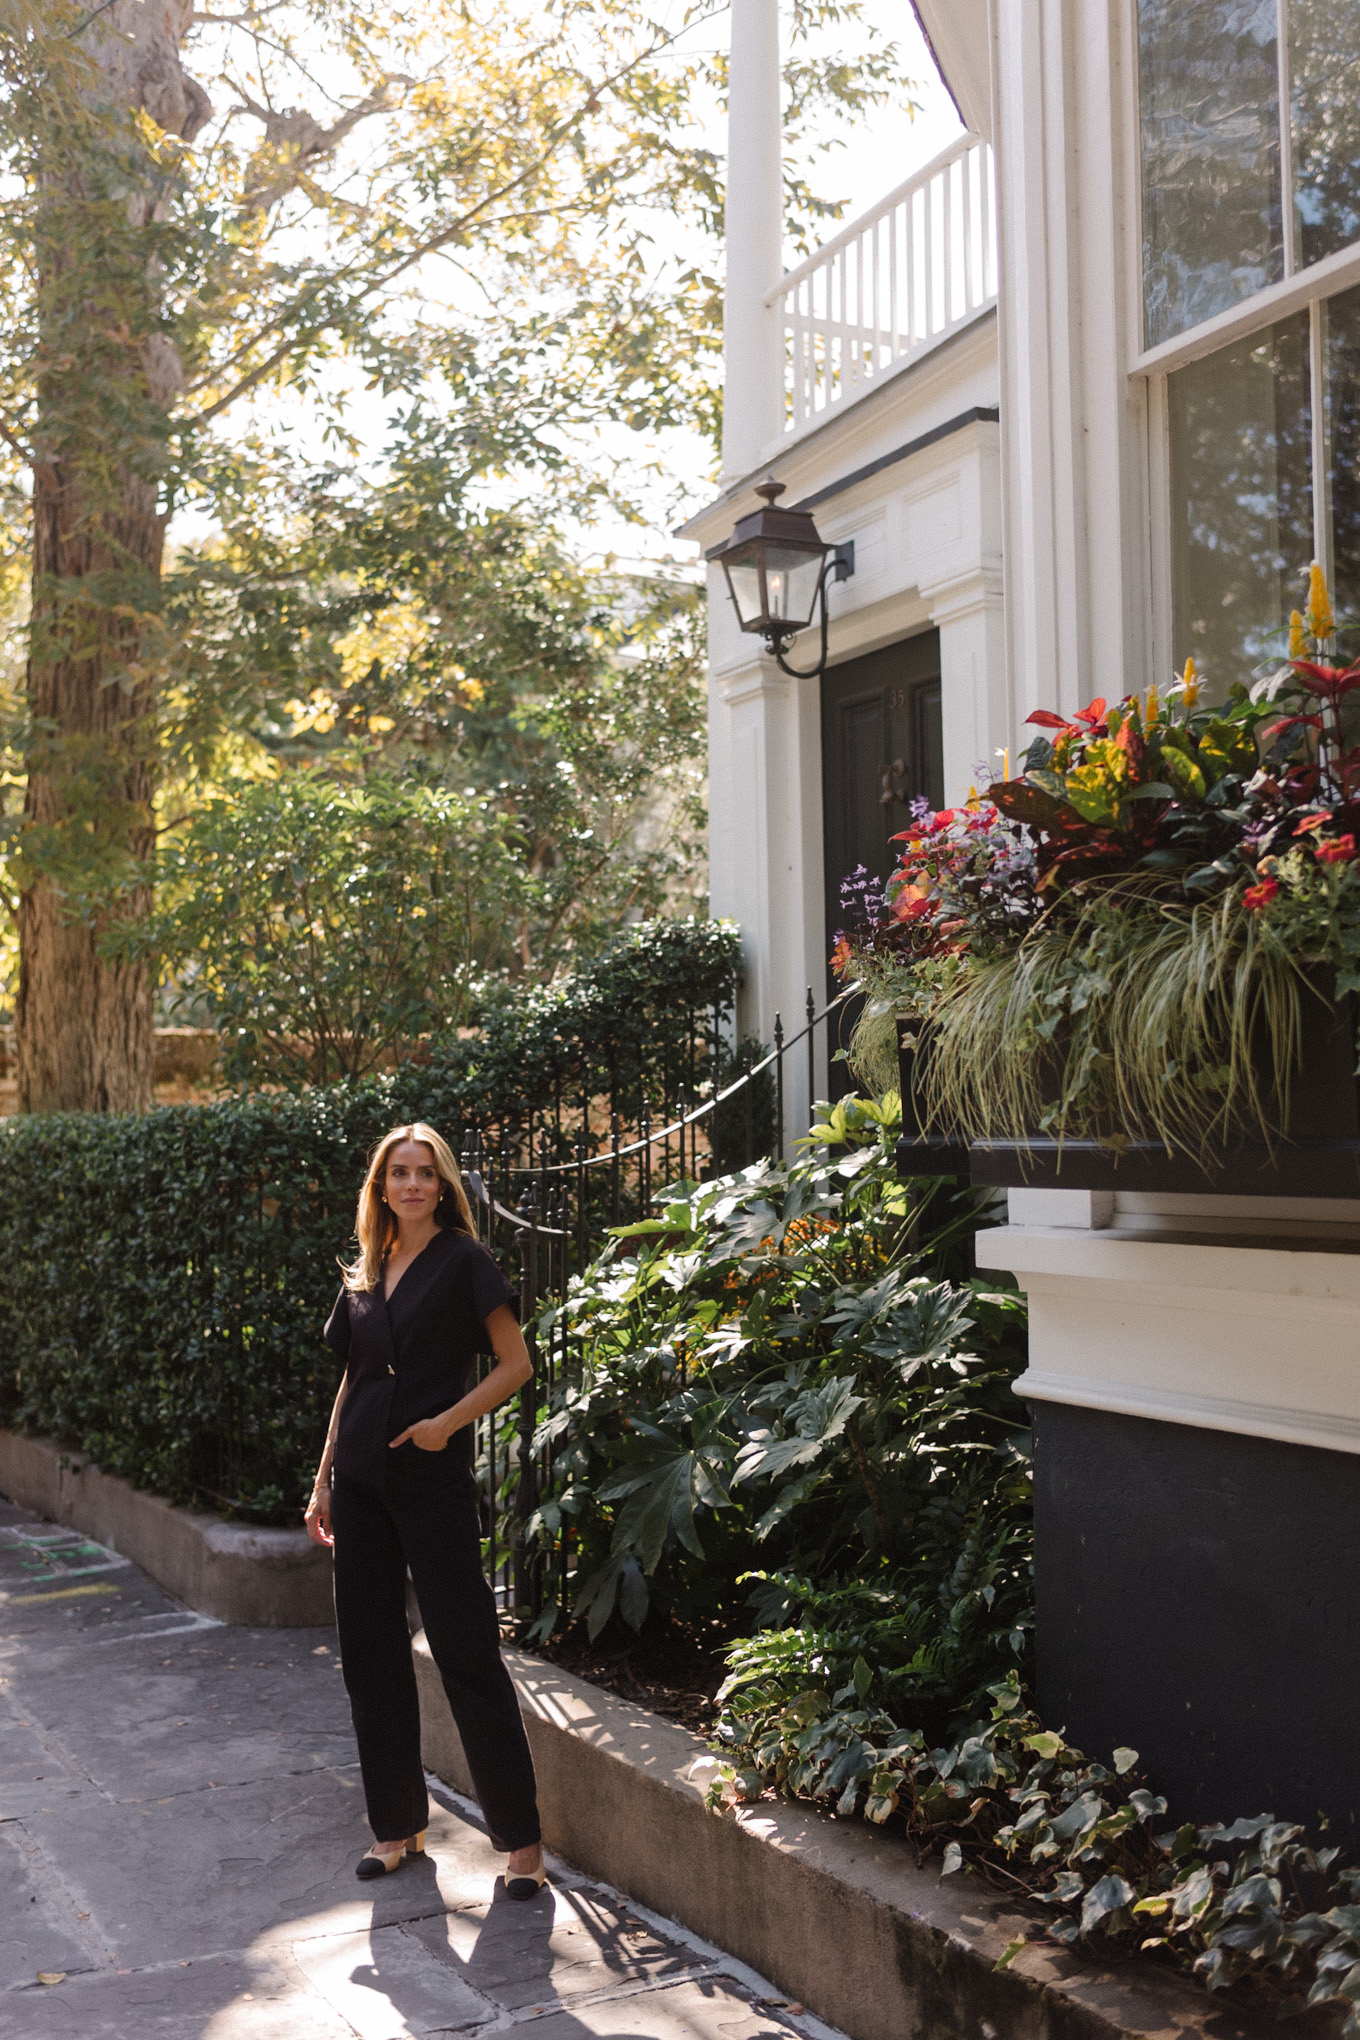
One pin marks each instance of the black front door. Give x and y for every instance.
(881, 749)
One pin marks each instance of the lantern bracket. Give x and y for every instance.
(839, 567)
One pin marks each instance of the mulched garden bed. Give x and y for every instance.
(672, 1670)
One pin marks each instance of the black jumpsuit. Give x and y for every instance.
(409, 1358)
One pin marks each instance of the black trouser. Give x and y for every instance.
(425, 1517)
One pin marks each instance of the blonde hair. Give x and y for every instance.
(376, 1222)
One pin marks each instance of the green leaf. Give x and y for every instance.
(1124, 1759)
(953, 1859)
(1106, 1896)
(817, 1418)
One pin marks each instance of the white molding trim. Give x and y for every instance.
(1334, 1433)
(753, 683)
(1303, 1275)
(964, 594)
(1232, 1335)
(1263, 308)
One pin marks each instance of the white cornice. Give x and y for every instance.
(959, 35)
(1254, 1337)
(918, 390)
(1334, 1432)
(963, 594)
(743, 683)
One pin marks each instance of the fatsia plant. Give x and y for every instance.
(788, 1372)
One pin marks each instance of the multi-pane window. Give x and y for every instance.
(1236, 197)
(1241, 491)
(1249, 116)
(1265, 477)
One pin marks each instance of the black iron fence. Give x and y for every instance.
(546, 1196)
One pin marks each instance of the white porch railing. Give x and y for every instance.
(890, 286)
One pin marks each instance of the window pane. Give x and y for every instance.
(1242, 514)
(1209, 118)
(1343, 447)
(1324, 38)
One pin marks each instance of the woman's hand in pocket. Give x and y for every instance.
(429, 1435)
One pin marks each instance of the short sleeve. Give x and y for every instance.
(489, 1287)
(336, 1333)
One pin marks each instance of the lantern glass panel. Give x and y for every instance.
(792, 577)
(743, 578)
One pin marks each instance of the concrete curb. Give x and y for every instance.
(838, 1916)
(261, 1579)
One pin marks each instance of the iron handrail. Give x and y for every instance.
(475, 1181)
(776, 1054)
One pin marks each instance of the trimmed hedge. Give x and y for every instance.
(169, 1274)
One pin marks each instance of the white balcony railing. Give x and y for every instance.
(890, 286)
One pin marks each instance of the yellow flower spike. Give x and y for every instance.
(1298, 636)
(1189, 685)
(1319, 611)
(1151, 716)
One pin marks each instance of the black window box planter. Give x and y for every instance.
(920, 1153)
(1319, 1156)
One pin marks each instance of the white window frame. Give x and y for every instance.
(1298, 290)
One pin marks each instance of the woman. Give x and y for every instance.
(395, 1489)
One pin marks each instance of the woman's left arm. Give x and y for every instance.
(512, 1369)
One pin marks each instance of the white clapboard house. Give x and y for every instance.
(1084, 396)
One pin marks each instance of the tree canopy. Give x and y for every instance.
(344, 298)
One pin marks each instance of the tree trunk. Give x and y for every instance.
(108, 379)
(83, 1022)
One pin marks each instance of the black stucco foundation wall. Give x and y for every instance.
(1199, 1599)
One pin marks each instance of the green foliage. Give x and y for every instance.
(623, 1026)
(321, 925)
(1128, 1018)
(1252, 1902)
(224, 245)
(172, 1271)
(787, 1370)
(392, 629)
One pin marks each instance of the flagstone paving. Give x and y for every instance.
(180, 1815)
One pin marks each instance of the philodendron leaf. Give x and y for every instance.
(1045, 1744)
(953, 1860)
(1107, 1896)
(1125, 1759)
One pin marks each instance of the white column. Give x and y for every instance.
(959, 576)
(765, 827)
(969, 613)
(753, 380)
(1075, 460)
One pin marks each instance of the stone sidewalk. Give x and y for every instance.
(180, 1816)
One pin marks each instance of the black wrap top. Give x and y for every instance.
(412, 1355)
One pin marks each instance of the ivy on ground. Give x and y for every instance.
(1251, 1903)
